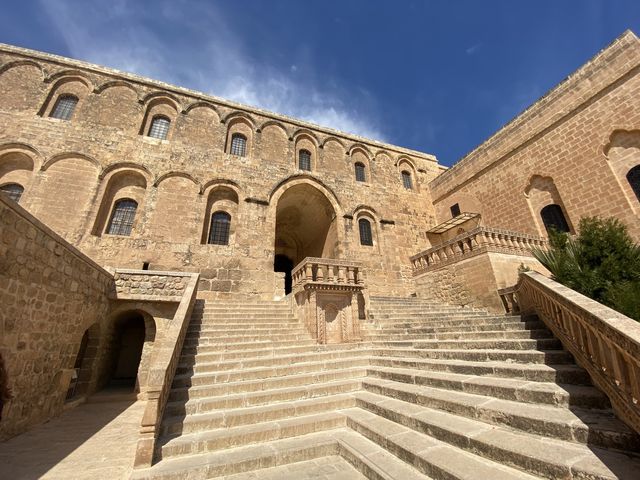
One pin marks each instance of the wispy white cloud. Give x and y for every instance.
(207, 56)
(473, 48)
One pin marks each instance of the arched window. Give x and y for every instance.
(219, 230)
(159, 127)
(64, 107)
(304, 160)
(13, 191)
(360, 176)
(633, 177)
(238, 145)
(406, 180)
(553, 218)
(365, 232)
(121, 222)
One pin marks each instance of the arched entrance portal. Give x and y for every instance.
(306, 226)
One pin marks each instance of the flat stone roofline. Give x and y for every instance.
(598, 71)
(119, 74)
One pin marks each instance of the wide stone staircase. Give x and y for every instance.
(433, 391)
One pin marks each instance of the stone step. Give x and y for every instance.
(433, 457)
(192, 340)
(223, 438)
(332, 467)
(251, 415)
(211, 378)
(459, 335)
(536, 454)
(534, 372)
(549, 357)
(261, 397)
(462, 327)
(262, 322)
(201, 366)
(401, 315)
(185, 393)
(578, 425)
(443, 323)
(499, 387)
(241, 329)
(487, 344)
(238, 346)
(282, 316)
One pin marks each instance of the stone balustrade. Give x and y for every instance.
(475, 242)
(603, 341)
(327, 271)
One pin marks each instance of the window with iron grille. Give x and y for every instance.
(64, 107)
(365, 232)
(219, 230)
(304, 160)
(13, 191)
(159, 127)
(406, 180)
(124, 212)
(360, 176)
(238, 145)
(553, 218)
(633, 177)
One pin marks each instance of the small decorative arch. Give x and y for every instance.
(215, 182)
(306, 151)
(383, 154)
(622, 153)
(541, 192)
(307, 133)
(22, 63)
(201, 104)
(367, 233)
(70, 75)
(276, 124)
(240, 127)
(219, 225)
(359, 147)
(333, 139)
(117, 83)
(66, 84)
(186, 175)
(22, 148)
(365, 208)
(114, 167)
(167, 98)
(239, 116)
(407, 171)
(65, 155)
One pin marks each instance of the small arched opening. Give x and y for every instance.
(283, 263)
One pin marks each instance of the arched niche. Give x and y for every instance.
(119, 184)
(176, 198)
(333, 156)
(623, 155)
(541, 192)
(200, 125)
(159, 106)
(220, 198)
(239, 124)
(16, 167)
(21, 87)
(115, 105)
(67, 86)
(274, 143)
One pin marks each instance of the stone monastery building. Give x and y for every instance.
(284, 295)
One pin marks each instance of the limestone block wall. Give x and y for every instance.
(75, 170)
(475, 281)
(572, 148)
(50, 293)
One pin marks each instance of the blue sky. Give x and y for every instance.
(435, 76)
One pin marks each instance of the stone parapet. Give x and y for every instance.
(604, 342)
(150, 285)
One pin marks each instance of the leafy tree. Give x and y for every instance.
(601, 262)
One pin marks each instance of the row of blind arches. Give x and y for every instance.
(124, 212)
(160, 125)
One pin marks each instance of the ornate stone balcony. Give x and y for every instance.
(475, 242)
(329, 298)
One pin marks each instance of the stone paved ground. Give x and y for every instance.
(93, 441)
(324, 468)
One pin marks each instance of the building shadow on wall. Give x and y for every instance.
(89, 432)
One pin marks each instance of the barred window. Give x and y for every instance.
(219, 230)
(304, 160)
(159, 127)
(64, 107)
(124, 212)
(553, 218)
(633, 177)
(360, 176)
(406, 180)
(238, 145)
(13, 191)
(365, 232)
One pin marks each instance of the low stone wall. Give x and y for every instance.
(150, 285)
(50, 294)
(474, 281)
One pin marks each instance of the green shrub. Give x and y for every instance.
(601, 262)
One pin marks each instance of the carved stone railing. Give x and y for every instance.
(603, 341)
(160, 286)
(330, 298)
(509, 299)
(475, 242)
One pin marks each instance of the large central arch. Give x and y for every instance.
(306, 224)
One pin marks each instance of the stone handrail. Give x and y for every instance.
(472, 243)
(165, 356)
(603, 341)
(328, 271)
